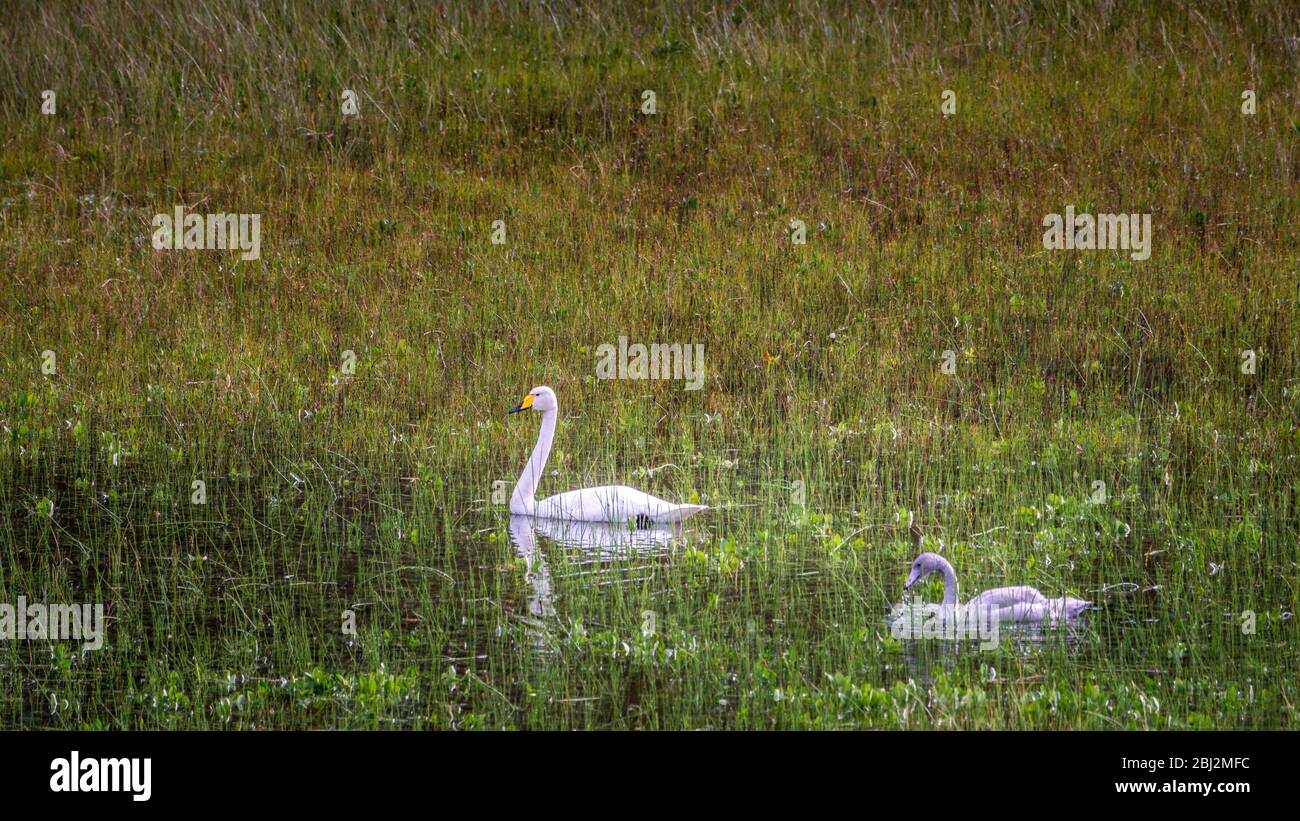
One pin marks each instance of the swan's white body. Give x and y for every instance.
(1019, 604)
(609, 503)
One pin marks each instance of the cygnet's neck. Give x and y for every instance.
(949, 583)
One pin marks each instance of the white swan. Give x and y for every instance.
(1001, 604)
(611, 503)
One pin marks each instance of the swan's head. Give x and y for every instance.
(924, 565)
(540, 398)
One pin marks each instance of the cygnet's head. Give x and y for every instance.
(924, 565)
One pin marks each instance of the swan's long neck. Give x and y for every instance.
(521, 501)
(949, 584)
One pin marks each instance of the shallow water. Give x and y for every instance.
(230, 615)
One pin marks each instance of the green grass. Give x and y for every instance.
(371, 491)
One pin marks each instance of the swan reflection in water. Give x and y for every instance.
(596, 543)
(923, 660)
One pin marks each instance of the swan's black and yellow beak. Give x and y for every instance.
(526, 404)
